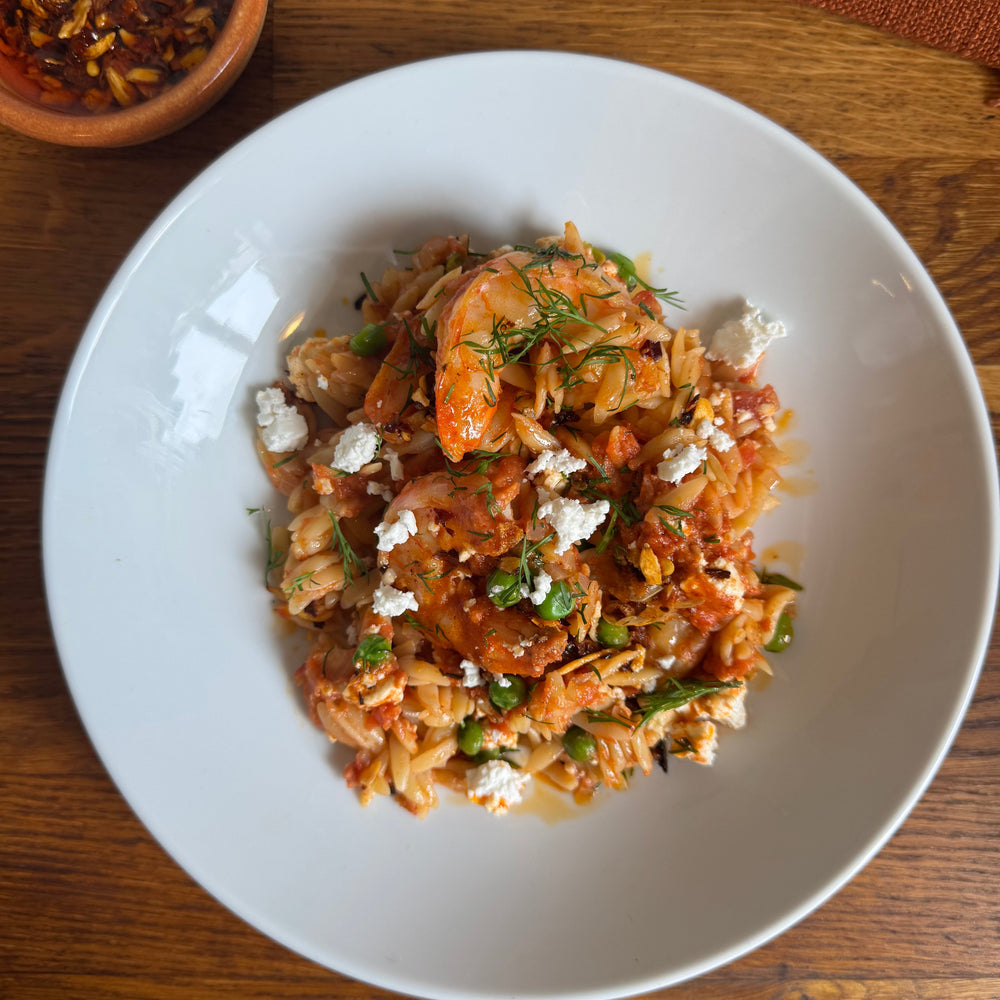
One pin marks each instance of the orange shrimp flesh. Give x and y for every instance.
(500, 312)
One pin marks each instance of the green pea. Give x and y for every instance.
(579, 744)
(558, 602)
(369, 340)
(503, 588)
(612, 634)
(510, 695)
(783, 635)
(484, 755)
(626, 268)
(470, 736)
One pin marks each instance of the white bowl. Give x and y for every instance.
(154, 569)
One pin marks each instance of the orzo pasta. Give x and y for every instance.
(521, 524)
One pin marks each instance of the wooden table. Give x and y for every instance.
(90, 906)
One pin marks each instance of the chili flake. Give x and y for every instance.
(99, 55)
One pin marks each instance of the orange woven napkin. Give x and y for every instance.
(969, 28)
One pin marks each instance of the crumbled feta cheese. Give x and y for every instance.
(391, 602)
(395, 465)
(679, 461)
(574, 521)
(495, 785)
(357, 446)
(322, 382)
(391, 535)
(378, 490)
(543, 584)
(562, 461)
(731, 586)
(719, 440)
(701, 736)
(472, 675)
(719, 421)
(727, 707)
(740, 342)
(667, 662)
(283, 427)
(500, 680)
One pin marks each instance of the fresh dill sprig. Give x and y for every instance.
(596, 716)
(297, 583)
(350, 559)
(679, 691)
(522, 576)
(368, 288)
(275, 557)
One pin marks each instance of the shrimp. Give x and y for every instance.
(463, 525)
(506, 307)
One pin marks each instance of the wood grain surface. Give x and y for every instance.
(90, 905)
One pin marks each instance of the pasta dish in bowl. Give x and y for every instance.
(521, 536)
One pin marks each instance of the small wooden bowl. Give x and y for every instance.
(176, 107)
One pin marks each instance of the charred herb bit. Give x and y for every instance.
(564, 417)
(712, 540)
(372, 650)
(284, 461)
(350, 559)
(778, 578)
(718, 572)
(660, 755)
(677, 692)
(683, 746)
(687, 414)
(253, 510)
